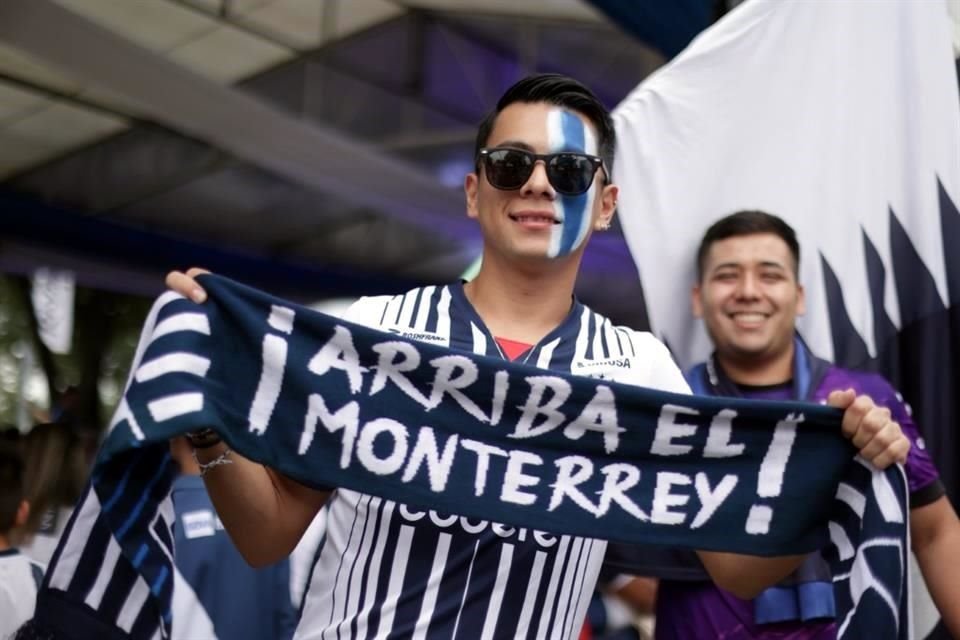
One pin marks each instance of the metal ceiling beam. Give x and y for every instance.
(235, 121)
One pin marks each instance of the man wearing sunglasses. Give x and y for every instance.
(540, 188)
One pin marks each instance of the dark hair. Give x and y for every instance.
(746, 223)
(561, 91)
(11, 488)
(56, 470)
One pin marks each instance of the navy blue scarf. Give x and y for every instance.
(336, 405)
(808, 593)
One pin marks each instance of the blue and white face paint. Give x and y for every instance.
(567, 132)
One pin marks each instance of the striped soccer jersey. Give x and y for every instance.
(386, 570)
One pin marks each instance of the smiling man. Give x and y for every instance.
(539, 189)
(749, 298)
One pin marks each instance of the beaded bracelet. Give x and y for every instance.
(219, 461)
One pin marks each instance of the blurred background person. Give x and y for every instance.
(20, 576)
(216, 593)
(56, 470)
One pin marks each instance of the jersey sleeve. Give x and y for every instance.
(367, 311)
(922, 475)
(656, 367)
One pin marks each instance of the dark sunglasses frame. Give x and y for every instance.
(484, 155)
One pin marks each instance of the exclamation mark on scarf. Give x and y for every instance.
(770, 479)
(271, 376)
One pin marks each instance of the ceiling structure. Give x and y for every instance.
(311, 147)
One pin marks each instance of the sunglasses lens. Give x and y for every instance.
(508, 168)
(571, 173)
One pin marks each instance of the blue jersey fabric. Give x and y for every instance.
(242, 602)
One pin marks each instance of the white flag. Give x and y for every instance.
(839, 117)
(843, 118)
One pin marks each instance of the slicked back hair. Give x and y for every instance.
(564, 92)
(746, 223)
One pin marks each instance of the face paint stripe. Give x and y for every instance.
(575, 209)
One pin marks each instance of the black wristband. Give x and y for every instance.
(203, 438)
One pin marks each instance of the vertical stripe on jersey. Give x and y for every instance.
(397, 572)
(599, 353)
(443, 314)
(496, 598)
(466, 590)
(548, 604)
(406, 309)
(373, 569)
(627, 341)
(563, 602)
(479, 339)
(610, 337)
(341, 578)
(572, 608)
(423, 309)
(583, 598)
(530, 598)
(392, 313)
(354, 580)
(546, 354)
(433, 586)
(580, 348)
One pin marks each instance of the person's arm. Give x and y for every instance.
(879, 440)
(935, 538)
(638, 592)
(264, 512)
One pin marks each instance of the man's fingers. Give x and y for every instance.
(185, 285)
(841, 399)
(897, 452)
(853, 417)
(878, 441)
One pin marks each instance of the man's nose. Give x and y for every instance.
(747, 286)
(538, 183)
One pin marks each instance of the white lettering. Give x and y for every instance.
(668, 428)
(441, 521)
(453, 374)
(600, 414)
(483, 451)
(618, 478)
(389, 368)
(346, 418)
(571, 471)
(515, 478)
(438, 465)
(711, 499)
(339, 353)
(500, 386)
(410, 516)
(550, 409)
(663, 499)
(274, 354)
(368, 457)
(718, 438)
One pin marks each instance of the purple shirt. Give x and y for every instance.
(691, 610)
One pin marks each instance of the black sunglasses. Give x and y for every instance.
(569, 173)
